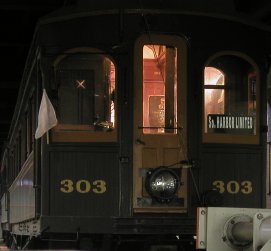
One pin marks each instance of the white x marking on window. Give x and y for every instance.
(81, 84)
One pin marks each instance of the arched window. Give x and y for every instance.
(230, 100)
(86, 101)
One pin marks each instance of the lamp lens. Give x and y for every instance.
(163, 184)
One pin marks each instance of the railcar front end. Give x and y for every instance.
(159, 112)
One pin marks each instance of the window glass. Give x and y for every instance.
(230, 97)
(214, 101)
(159, 89)
(86, 93)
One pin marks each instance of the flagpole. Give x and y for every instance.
(46, 116)
(47, 138)
(43, 88)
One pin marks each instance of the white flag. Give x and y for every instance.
(47, 116)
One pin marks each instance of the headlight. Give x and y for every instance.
(162, 184)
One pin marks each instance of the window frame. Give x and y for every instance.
(77, 133)
(180, 44)
(149, 149)
(164, 94)
(232, 138)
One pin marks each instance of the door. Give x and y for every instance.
(159, 122)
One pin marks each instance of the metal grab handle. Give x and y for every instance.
(140, 142)
(159, 127)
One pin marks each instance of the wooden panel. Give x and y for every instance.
(236, 175)
(84, 183)
(81, 133)
(149, 157)
(76, 102)
(170, 155)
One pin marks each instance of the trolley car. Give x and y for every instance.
(142, 112)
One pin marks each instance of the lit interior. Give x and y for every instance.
(112, 93)
(214, 99)
(159, 89)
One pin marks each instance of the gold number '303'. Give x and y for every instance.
(83, 186)
(233, 186)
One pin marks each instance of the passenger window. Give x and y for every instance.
(159, 89)
(86, 101)
(230, 100)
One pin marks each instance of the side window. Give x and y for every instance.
(159, 89)
(230, 100)
(86, 101)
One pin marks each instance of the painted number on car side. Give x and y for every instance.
(233, 186)
(83, 186)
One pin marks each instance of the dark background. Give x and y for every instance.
(18, 19)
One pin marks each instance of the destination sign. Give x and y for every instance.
(218, 123)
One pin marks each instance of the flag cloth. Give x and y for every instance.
(47, 116)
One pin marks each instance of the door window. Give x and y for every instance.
(159, 89)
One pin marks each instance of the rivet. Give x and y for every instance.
(259, 216)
